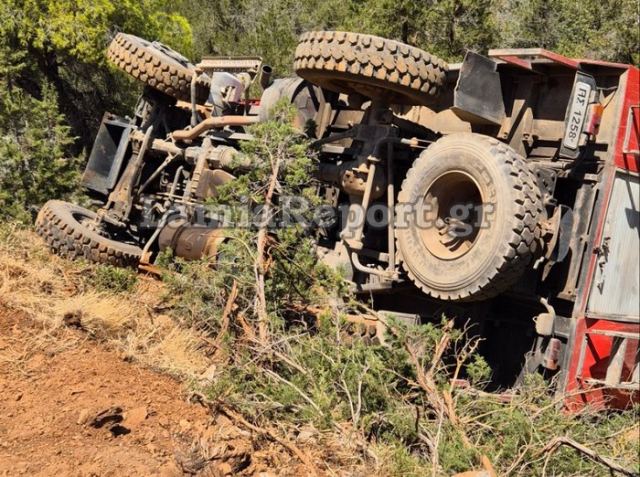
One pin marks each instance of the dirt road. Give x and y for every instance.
(70, 406)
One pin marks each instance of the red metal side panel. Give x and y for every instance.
(622, 161)
(629, 125)
(591, 348)
(590, 356)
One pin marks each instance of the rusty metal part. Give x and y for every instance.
(478, 95)
(353, 180)
(169, 159)
(209, 182)
(159, 144)
(355, 231)
(200, 166)
(363, 180)
(231, 64)
(151, 269)
(545, 321)
(194, 110)
(224, 157)
(189, 241)
(312, 110)
(356, 241)
(211, 123)
(204, 111)
(119, 204)
(391, 206)
(451, 238)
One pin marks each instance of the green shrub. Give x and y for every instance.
(34, 142)
(113, 279)
(312, 371)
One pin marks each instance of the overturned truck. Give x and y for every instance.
(502, 190)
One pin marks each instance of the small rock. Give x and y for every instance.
(306, 435)
(209, 374)
(19, 396)
(73, 319)
(112, 415)
(170, 470)
(83, 417)
(136, 416)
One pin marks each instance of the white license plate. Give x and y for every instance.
(577, 113)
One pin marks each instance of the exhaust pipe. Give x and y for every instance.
(211, 123)
(265, 76)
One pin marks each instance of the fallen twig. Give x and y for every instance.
(556, 442)
(260, 266)
(440, 402)
(237, 418)
(224, 326)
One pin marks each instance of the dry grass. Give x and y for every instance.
(305, 406)
(55, 292)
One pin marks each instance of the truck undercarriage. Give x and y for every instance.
(502, 191)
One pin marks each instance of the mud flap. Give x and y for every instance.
(107, 154)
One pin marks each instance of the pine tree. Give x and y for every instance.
(34, 143)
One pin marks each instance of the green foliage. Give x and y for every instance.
(33, 146)
(331, 381)
(478, 371)
(255, 27)
(113, 279)
(80, 30)
(55, 86)
(606, 29)
(202, 287)
(315, 371)
(444, 27)
(61, 44)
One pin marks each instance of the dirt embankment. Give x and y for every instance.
(68, 406)
(96, 382)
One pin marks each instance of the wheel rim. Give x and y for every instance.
(344, 82)
(86, 221)
(452, 209)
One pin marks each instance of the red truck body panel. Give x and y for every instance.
(602, 363)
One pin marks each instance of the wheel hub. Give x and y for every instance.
(452, 210)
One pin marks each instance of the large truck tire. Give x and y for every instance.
(157, 66)
(467, 223)
(371, 66)
(65, 229)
